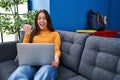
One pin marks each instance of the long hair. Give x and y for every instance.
(37, 28)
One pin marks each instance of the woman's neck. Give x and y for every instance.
(45, 29)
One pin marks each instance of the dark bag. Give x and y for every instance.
(95, 20)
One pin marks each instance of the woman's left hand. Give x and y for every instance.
(56, 62)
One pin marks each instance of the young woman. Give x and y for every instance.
(42, 33)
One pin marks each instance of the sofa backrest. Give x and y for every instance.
(72, 45)
(101, 59)
(5, 49)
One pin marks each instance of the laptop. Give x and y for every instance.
(35, 54)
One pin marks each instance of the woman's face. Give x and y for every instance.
(42, 21)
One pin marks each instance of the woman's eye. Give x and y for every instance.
(41, 18)
(44, 18)
(38, 18)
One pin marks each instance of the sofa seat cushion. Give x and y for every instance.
(78, 77)
(6, 68)
(65, 73)
(101, 59)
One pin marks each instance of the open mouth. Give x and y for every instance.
(42, 25)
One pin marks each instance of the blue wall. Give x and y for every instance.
(72, 14)
(115, 15)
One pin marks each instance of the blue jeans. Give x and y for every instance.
(46, 72)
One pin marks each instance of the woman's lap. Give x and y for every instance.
(46, 72)
(30, 72)
(23, 73)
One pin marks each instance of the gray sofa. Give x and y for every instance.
(83, 57)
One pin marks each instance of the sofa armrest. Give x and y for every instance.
(8, 51)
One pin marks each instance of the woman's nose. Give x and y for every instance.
(41, 20)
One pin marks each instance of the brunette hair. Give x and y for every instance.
(37, 28)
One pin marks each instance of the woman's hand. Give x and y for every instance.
(56, 62)
(27, 28)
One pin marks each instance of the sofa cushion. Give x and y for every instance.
(8, 51)
(101, 59)
(71, 48)
(65, 73)
(6, 68)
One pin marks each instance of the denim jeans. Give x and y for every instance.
(46, 72)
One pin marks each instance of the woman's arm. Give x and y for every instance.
(27, 29)
(57, 43)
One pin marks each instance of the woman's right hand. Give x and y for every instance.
(27, 28)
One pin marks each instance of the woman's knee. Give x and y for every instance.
(46, 72)
(22, 72)
(25, 68)
(47, 67)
